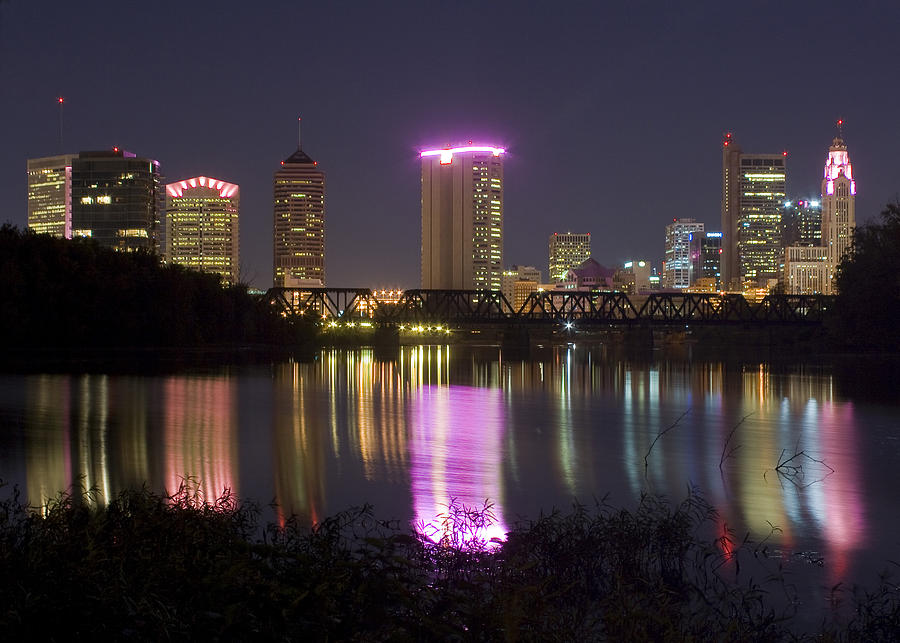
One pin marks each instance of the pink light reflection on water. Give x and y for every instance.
(843, 513)
(456, 453)
(200, 420)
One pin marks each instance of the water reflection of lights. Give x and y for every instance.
(48, 451)
(456, 454)
(200, 416)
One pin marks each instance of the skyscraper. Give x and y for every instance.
(50, 195)
(115, 199)
(567, 251)
(462, 218)
(753, 189)
(810, 268)
(202, 226)
(802, 223)
(299, 222)
(708, 263)
(838, 206)
(679, 265)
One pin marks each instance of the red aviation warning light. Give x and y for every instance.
(60, 100)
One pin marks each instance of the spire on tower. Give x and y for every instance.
(299, 131)
(840, 127)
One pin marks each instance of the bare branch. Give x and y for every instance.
(659, 435)
(728, 439)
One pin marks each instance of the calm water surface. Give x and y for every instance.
(434, 423)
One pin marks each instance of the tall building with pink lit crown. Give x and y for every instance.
(838, 206)
(202, 227)
(462, 218)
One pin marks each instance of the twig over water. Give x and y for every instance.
(659, 435)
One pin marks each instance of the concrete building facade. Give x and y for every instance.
(50, 195)
(462, 218)
(679, 266)
(753, 194)
(838, 207)
(810, 269)
(202, 226)
(514, 274)
(567, 251)
(298, 229)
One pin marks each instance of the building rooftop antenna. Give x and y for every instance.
(840, 127)
(60, 100)
(298, 132)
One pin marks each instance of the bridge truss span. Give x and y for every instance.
(471, 307)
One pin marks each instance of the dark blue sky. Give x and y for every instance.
(612, 112)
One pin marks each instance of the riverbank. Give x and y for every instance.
(148, 567)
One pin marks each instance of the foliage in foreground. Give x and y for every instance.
(868, 285)
(148, 567)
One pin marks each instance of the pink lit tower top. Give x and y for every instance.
(838, 202)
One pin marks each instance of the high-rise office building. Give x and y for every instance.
(462, 218)
(115, 199)
(802, 223)
(838, 206)
(299, 222)
(679, 265)
(753, 190)
(50, 195)
(202, 226)
(567, 251)
(810, 268)
(709, 254)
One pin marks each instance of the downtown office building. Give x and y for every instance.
(110, 196)
(565, 252)
(202, 227)
(753, 194)
(298, 228)
(462, 218)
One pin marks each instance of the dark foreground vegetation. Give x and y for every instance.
(148, 567)
(868, 284)
(74, 294)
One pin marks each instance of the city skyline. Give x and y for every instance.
(585, 109)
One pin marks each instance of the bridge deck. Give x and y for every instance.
(462, 307)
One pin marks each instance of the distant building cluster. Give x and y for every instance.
(116, 198)
(766, 241)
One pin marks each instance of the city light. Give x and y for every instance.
(447, 153)
(226, 190)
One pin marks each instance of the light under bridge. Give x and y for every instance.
(460, 308)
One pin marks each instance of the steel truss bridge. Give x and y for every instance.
(479, 307)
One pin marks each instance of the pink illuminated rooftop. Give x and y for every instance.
(225, 189)
(447, 153)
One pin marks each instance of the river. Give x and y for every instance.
(803, 455)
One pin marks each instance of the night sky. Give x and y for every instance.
(612, 113)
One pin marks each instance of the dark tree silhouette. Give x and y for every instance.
(868, 285)
(74, 293)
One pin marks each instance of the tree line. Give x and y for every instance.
(867, 308)
(77, 294)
